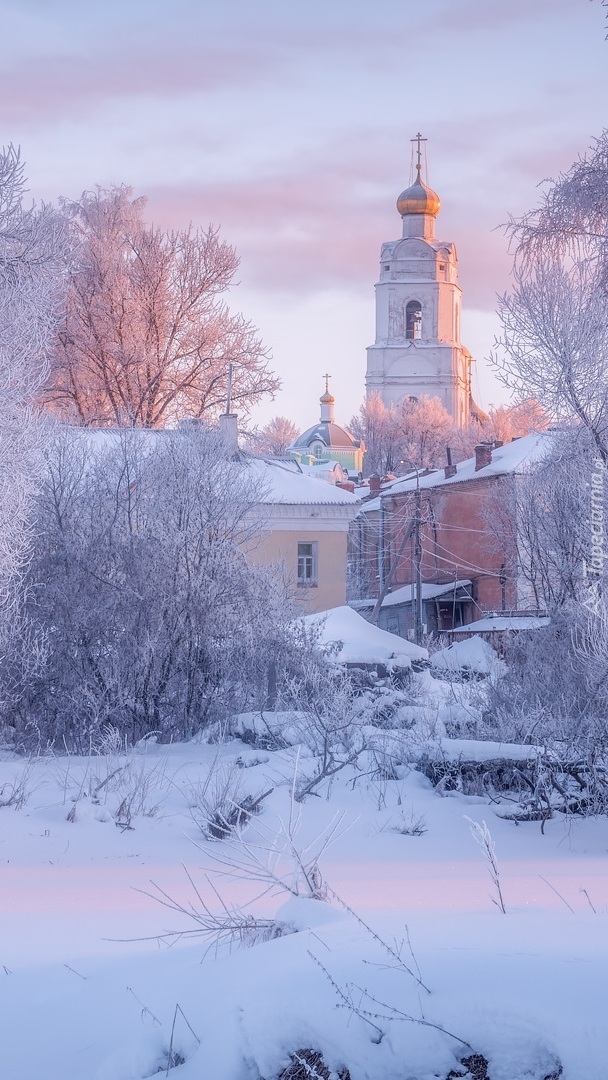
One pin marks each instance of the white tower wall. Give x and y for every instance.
(421, 271)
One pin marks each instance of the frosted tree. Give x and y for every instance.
(424, 427)
(274, 438)
(554, 347)
(155, 619)
(415, 431)
(507, 422)
(375, 424)
(554, 340)
(147, 335)
(31, 245)
(503, 423)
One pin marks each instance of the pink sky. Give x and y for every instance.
(289, 126)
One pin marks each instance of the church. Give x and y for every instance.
(418, 351)
(328, 441)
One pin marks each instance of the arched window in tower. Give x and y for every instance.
(413, 320)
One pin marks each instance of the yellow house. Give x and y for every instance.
(304, 525)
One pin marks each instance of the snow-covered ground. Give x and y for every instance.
(407, 961)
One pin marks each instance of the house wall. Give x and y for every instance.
(278, 546)
(460, 536)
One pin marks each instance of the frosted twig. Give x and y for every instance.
(557, 893)
(481, 834)
(394, 953)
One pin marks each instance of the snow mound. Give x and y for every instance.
(266, 726)
(486, 750)
(474, 654)
(362, 643)
(303, 913)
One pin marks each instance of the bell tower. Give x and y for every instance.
(417, 350)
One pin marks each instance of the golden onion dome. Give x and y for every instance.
(327, 398)
(419, 199)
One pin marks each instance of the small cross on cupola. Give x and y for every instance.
(327, 403)
(418, 139)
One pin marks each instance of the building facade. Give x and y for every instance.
(455, 528)
(303, 525)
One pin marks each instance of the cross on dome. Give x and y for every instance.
(418, 139)
(327, 398)
(418, 198)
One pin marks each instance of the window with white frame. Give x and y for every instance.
(307, 563)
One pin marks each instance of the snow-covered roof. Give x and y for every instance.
(503, 622)
(514, 457)
(283, 482)
(361, 642)
(404, 595)
(324, 470)
(280, 480)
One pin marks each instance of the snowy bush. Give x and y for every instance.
(545, 696)
(154, 620)
(219, 804)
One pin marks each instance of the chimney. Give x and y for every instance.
(449, 469)
(483, 455)
(375, 484)
(230, 433)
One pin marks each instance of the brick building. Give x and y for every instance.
(445, 527)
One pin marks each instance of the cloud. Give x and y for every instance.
(195, 50)
(59, 87)
(321, 226)
(546, 163)
(470, 16)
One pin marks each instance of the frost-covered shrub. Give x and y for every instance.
(220, 805)
(154, 620)
(544, 696)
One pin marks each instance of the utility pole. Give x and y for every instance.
(414, 534)
(381, 532)
(387, 584)
(503, 586)
(418, 555)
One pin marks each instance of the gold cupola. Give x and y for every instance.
(419, 199)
